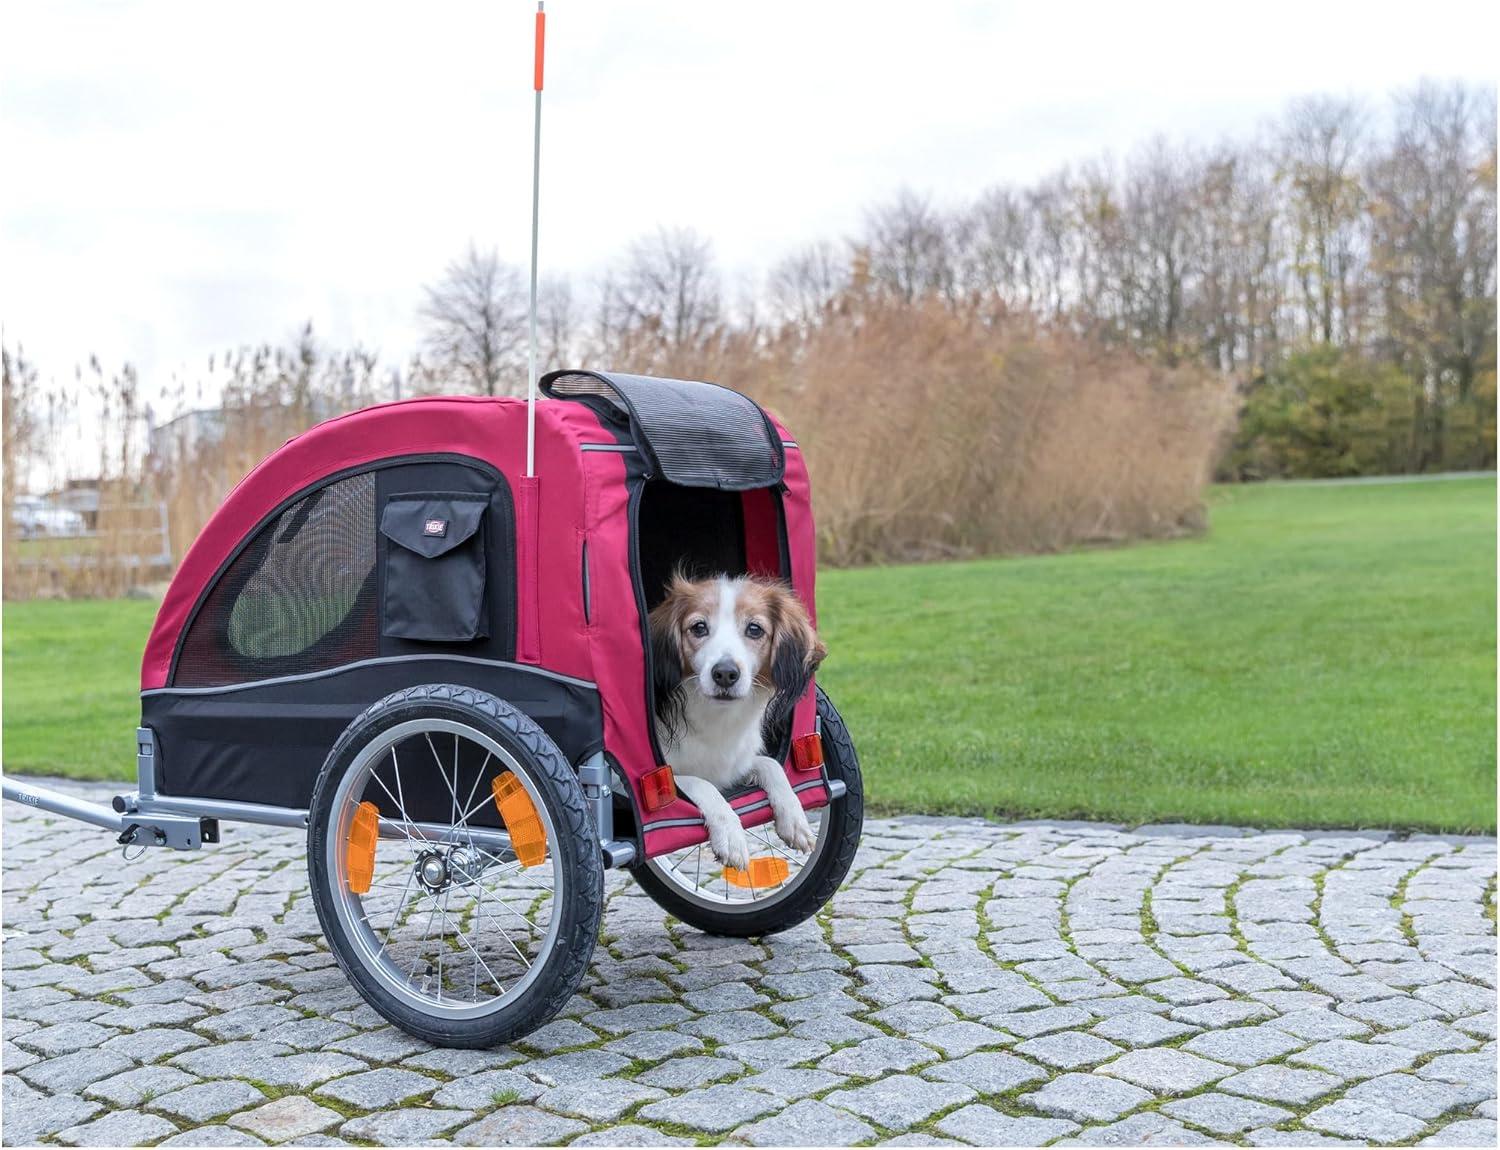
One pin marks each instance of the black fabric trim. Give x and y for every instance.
(266, 742)
(378, 661)
(637, 486)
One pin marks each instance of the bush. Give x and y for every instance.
(1321, 413)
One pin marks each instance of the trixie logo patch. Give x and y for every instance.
(438, 527)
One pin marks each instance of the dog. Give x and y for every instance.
(731, 655)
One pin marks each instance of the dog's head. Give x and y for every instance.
(724, 638)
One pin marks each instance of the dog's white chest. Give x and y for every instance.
(719, 740)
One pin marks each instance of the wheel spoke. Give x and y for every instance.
(437, 935)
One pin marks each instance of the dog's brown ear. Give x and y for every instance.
(795, 654)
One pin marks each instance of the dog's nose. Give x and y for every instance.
(726, 674)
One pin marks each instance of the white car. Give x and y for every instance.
(35, 518)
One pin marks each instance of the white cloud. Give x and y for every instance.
(183, 177)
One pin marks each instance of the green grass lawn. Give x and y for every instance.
(1324, 656)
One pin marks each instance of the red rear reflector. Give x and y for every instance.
(807, 752)
(659, 788)
(359, 851)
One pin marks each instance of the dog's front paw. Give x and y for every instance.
(730, 846)
(796, 831)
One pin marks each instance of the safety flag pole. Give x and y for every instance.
(536, 186)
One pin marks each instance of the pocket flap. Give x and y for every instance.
(431, 527)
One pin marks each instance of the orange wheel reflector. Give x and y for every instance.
(359, 856)
(659, 788)
(771, 870)
(527, 836)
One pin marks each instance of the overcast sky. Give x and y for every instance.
(181, 178)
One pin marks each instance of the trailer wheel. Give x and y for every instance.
(454, 868)
(692, 885)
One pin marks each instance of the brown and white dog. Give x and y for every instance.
(731, 657)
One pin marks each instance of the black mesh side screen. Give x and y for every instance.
(299, 598)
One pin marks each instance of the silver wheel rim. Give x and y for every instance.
(697, 876)
(476, 944)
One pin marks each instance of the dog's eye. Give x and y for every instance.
(754, 630)
(699, 629)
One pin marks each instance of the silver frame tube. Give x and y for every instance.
(176, 816)
(58, 803)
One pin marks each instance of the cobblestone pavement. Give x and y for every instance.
(973, 983)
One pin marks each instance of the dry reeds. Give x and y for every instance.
(930, 435)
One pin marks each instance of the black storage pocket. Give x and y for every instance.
(434, 568)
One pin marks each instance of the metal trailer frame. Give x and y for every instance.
(143, 818)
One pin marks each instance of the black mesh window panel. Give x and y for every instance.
(300, 597)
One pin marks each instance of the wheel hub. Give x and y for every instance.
(432, 871)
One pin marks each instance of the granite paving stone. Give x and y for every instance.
(519, 1126)
(602, 1101)
(988, 1073)
(713, 1109)
(1362, 1118)
(806, 1123)
(1224, 1113)
(691, 1072)
(1140, 1028)
(135, 1086)
(1086, 1097)
(206, 1100)
(213, 1134)
(478, 1091)
(1468, 1132)
(791, 1083)
(1165, 1070)
(629, 1134)
(1281, 1084)
(1068, 1050)
(1244, 1045)
(972, 983)
(294, 1118)
(119, 1128)
(1350, 1059)
(984, 1126)
(900, 1101)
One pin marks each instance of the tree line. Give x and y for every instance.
(1049, 364)
(1339, 267)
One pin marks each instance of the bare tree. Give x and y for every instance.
(476, 325)
(1434, 241)
(1319, 147)
(804, 285)
(1159, 207)
(995, 265)
(910, 249)
(557, 325)
(665, 303)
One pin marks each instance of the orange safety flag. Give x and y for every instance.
(541, 36)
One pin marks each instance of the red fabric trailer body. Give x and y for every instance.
(403, 544)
